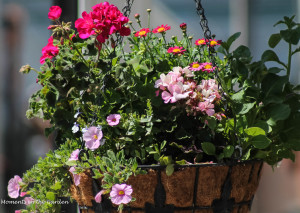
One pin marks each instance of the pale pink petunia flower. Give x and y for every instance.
(75, 176)
(113, 119)
(74, 155)
(28, 200)
(14, 187)
(121, 193)
(92, 137)
(98, 197)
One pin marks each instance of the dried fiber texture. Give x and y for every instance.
(210, 182)
(179, 187)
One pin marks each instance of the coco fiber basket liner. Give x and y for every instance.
(203, 188)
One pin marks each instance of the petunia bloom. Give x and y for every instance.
(201, 42)
(75, 176)
(98, 197)
(176, 50)
(121, 193)
(161, 29)
(195, 66)
(113, 119)
(92, 138)
(142, 33)
(28, 200)
(54, 13)
(74, 155)
(14, 187)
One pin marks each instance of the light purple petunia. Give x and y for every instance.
(92, 138)
(121, 193)
(113, 119)
(98, 197)
(13, 187)
(75, 176)
(74, 155)
(28, 200)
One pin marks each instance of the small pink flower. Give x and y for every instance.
(74, 155)
(142, 33)
(121, 193)
(92, 137)
(54, 13)
(23, 194)
(18, 211)
(98, 197)
(207, 107)
(161, 29)
(113, 119)
(208, 67)
(75, 176)
(195, 66)
(214, 42)
(201, 42)
(13, 187)
(28, 200)
(49, 51)
(176, 50)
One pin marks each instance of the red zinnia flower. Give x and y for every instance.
(176, 50)
(213, 42)
(201, 42)
(142, 33)
(161, 29)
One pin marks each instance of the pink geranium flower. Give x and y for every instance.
(98, 197)
(195, 66)
(85, 26)
(14, 187)
(92, 137)
(142, 33)
(175, 93)
(121, 193)
(207, 107)
(113, 119)
(49, 51)
(176, 50)
(54, 13)
(161, 29)
(74, 155)
(75, 176)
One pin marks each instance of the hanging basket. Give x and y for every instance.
(203, 188)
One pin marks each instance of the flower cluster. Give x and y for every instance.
(49, 51)
(105, 19)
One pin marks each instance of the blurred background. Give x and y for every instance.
(23, 33)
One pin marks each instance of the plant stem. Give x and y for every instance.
(289, 61)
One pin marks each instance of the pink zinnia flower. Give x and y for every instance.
(74, 155)
(142, 33)
(49, 51)
(92, 137)
(14, 187)
(208, 67)
(98, 197)
(113, 119)
(200, 42)
(75, 176)
(176, 50)
(195, 66)
(213, 42)
(121, 193)
(161, 29)
(54, 13)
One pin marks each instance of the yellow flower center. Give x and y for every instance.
(201, 42)
(196, 65)
(213, 43)
(161, 29)
(176, 50)
(142, 33)
(95, 137)
(207, 66)
(121, 192)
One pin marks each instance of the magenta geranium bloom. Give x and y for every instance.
(113, 119)
(54, 13)
(92, 137)
(121, 193)
(49, 51)
(75, 176)
(74, 155)
(13, 187)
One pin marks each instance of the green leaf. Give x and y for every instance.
(211, 122)
(254, 131)
(181, 162)
(114, 61)
(278, 112)
(242, 52)
(260, 141)
(269, 55)
(170, 169)
(232, 38)
(228, 151)
(208, 148)
(56, 186)
(239, 96)
(242, 109)
(294, 144)
(50, 196)
(291, 35)
(274, 70)
(111, 155)
(264, 125)
(274, 40)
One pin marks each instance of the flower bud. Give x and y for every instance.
(129, 22)
(149, 10)
(183, 26)
(25, 69)
(137, 16)
(190, 37)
